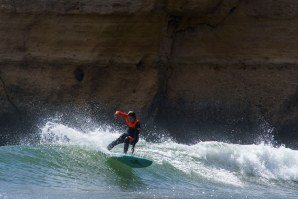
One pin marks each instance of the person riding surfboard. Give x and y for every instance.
(133, 131)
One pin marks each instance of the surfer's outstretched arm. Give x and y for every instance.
(121, 114)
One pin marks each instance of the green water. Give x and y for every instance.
(71, 164)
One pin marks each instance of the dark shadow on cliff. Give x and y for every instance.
(184, 123)
(189, 123)
(16, 129)
(287, 131)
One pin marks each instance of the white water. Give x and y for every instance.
(217, 162)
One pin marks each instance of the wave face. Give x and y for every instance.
(71, 164)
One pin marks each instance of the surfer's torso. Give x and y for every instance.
(133, 127)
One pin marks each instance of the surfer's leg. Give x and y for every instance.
(126, 144)
(117, 141)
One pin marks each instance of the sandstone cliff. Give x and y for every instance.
(204, 69)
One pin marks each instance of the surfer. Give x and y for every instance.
(133, 131)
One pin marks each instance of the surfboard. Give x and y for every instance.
(132, 161)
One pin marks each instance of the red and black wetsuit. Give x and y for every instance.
(132, 135)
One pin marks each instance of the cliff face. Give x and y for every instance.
(232, 69)
(200, 67)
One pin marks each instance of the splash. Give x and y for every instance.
(56, 133)
(213, 161)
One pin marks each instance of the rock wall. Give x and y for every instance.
(204, 70)
(232, 70)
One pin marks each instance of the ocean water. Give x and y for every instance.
(71, 164)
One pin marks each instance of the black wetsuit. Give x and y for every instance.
(124, 138)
